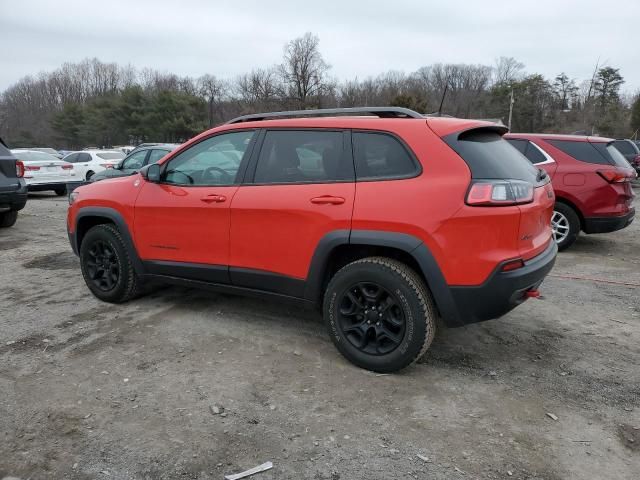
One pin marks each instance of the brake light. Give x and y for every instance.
(19, 169)
(499, 193)
(67, 166)
(513, 265)
(613, 176)
(31, 168)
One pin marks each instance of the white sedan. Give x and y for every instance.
(88, 162)
(44, 172)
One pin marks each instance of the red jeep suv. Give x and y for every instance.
(382, 217)
(591, 179)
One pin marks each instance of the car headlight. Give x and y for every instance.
(72, 197)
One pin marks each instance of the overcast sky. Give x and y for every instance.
(358, 38)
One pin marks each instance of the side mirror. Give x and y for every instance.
(151, 173)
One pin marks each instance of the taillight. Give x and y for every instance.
(19, 169)
(636, 161)
(67, 166)
(31, 168)
(499, 193)
(107, 165)
(613, 176)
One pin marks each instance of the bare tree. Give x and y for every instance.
(303, 69)
(213, 90)
(507, 70)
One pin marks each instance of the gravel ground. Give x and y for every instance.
(91, 390)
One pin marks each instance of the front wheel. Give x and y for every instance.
(8, 219)
(565, 225)
(379, 314)
(60, 191)
(106, 266)
(89, 175)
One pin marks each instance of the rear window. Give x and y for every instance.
(489, 156)
(582, 151)
(626, 148)
(111, 155)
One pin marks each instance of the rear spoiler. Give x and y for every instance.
(444, 127)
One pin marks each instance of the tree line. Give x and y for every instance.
(92, 103)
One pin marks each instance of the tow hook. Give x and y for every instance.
(534, 293)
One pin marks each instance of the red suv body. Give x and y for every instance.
(591, 179)
(295, 207)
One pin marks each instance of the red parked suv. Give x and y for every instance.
(591, 179)
(385, 219)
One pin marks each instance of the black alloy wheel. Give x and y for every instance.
(102, 266)
(371, 318)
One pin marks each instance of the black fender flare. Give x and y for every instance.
(407, 243)
(116, 218)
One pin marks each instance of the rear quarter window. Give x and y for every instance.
(612, 154)
(489, 156)
(626, 148)
(582, 151)
(382, 156)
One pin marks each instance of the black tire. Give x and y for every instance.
(105, 242)
(60, 191)
(89, 175)
(8, 219)
(410, 300)
(573, 223)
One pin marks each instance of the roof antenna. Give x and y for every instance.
(444, 93)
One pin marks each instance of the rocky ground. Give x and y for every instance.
(188, 384)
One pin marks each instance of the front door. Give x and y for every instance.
(182, 222)
(301, 189)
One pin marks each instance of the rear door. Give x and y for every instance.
(299, 188)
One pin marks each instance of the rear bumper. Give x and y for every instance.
(11, 200)
(503, 291)
(608, 224)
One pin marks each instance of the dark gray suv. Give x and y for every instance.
(13, 189)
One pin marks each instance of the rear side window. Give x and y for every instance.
(489, 156)
(533, 154)
(303, 156)
(583, 151)
(381, 156)
(521, 145)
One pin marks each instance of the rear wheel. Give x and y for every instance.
(565, 225)
(379, 314)
(106, 266)
(8, 219)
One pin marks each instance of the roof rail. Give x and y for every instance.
(382, 112)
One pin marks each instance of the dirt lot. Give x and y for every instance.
(91, 390)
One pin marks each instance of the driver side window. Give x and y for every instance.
(214, 161)
(135, 161)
